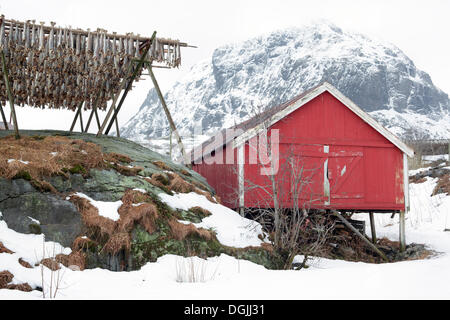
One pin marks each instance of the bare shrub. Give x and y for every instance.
(193, 270)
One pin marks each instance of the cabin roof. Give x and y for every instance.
(246, 130)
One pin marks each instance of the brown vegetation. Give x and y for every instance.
(162, 165)
(201, 211)
(25, 264)
(180, 231)
(51, 263)
(3, 249)
(98, 226)
(76, 258)
(34, 157)
(6, 277)
(443, 185)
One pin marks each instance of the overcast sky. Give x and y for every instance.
(421, 29)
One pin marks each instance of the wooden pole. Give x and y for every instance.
(372, 228)
(169, 117)
(117, 127)
(4, 117)
(76, 116)
(124, 85)
(10, 96)
(89, 120)
(97, 118)
(370, 244)
(81, 120)
(94, 110)
(402, 231)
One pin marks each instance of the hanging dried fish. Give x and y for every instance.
(62, 67)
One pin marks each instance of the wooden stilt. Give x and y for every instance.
(88, 124)
(97, 118)
(10, 96)
(117, 127)
(76, 116)
(81, 120)
(126, 84)
(94, 110)
(372, 228)
(370, 244)
(4, 117)
(169, 117)
(402, 231)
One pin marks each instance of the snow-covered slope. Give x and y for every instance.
(245, 77)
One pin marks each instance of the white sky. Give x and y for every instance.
(420, 28)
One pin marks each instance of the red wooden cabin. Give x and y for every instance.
(350, 161)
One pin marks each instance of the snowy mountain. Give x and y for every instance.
(244, 78)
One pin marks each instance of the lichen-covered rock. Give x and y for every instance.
(147, 229)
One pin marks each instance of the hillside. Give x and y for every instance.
(243, 78)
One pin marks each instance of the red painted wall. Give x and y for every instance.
(365, 170)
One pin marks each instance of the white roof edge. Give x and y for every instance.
(344, 100)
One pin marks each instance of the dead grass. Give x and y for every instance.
(117, 158)
(51, 263)
(162, 165)
(178, 184)
(98, 226)
(416, 179)
(127, 171)
(52, 155)
(5, 278)
(118, 241)
(81, 243)
(25, 264)
(443, 185)
(21, 287)
(137, 208)
(180, 231)
(75, 258)
(3, 249)
(201, 211)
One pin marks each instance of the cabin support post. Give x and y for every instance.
(406, 197)
(402, 231)
(10, 96)
(241, 158)
(352, 228)
(372, 228)
(4, 117)
(137, 68)
(169, 117)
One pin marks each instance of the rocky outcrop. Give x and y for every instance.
(147, 228)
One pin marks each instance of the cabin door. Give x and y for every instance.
(305, 167)
(345, 174)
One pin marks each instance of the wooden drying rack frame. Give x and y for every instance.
(125, 85)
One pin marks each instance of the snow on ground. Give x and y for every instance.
(30, 248)
(226, 277)
(232, 229)
(105, 209)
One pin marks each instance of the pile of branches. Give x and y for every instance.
(64, 67)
